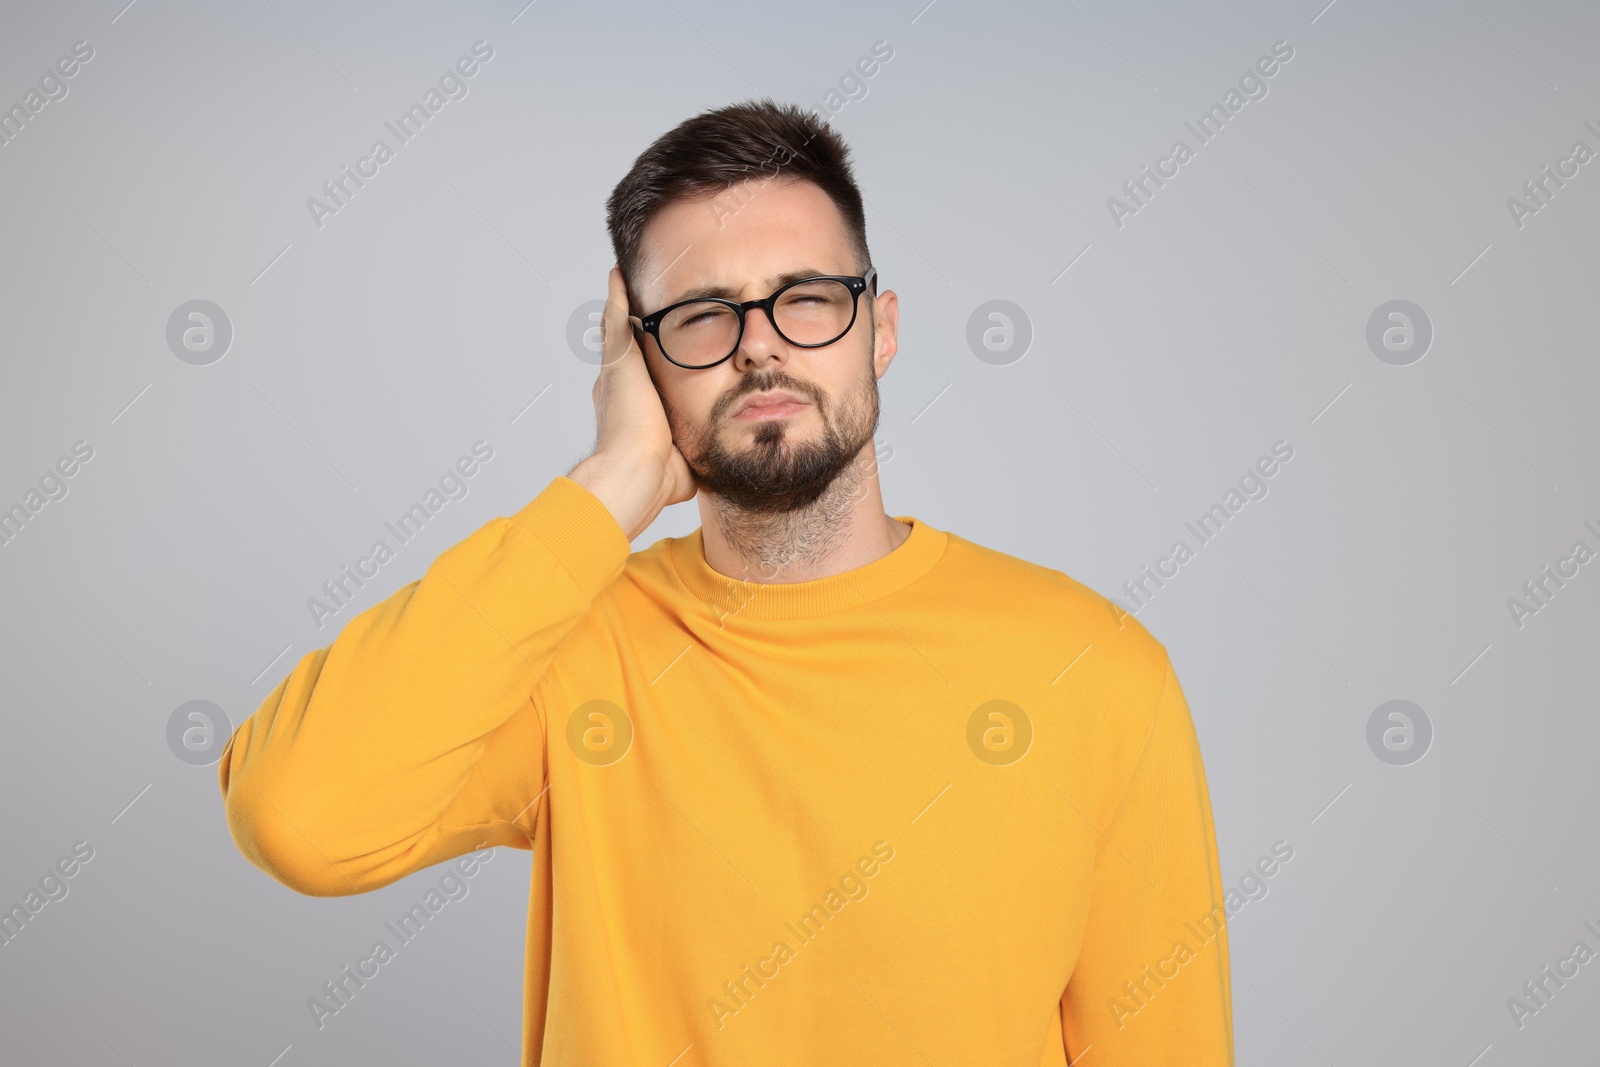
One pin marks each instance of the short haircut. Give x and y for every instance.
(724, 147)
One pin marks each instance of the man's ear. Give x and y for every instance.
(886, 330)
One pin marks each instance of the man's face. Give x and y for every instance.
(783, 458)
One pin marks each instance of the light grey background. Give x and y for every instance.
(1229, 313)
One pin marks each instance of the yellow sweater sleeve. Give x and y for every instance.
(1152, 980)
(418, 735)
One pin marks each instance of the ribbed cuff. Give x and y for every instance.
(578, 529)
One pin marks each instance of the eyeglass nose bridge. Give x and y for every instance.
(769, 305)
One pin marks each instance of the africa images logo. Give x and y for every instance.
(452, 86)
(853, 885)
(1252, 86)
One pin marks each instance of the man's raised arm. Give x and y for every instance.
(418, 734)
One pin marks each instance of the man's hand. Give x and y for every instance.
(635, 469)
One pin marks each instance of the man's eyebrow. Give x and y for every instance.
(777, 281)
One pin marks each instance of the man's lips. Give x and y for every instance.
(775, 405)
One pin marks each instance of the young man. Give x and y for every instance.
(813, 785)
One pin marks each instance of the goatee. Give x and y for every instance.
(776, 473)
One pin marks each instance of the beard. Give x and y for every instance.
(777, 472)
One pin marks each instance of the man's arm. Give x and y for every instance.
(418, 734)
(1151, 985)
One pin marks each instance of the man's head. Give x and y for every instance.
(733, 201)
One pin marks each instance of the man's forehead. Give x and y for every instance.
(735, 284)
(746, 240)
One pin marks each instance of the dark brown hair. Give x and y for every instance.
(724, 147)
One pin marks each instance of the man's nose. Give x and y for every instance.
(761, 343)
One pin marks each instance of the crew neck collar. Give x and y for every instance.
(731, 597)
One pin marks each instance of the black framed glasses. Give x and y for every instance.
(809, 313)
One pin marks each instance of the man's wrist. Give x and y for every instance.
(609, 481)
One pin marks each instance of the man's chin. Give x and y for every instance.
(770, 476)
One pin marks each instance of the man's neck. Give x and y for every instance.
(843, 529)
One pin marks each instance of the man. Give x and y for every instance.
(813, 785)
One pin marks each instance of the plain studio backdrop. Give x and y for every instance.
(1078, 383)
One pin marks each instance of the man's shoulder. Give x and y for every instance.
(1022, 594)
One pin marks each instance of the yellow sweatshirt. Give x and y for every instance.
(946, 808)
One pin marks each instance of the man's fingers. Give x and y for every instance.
(616, 331)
